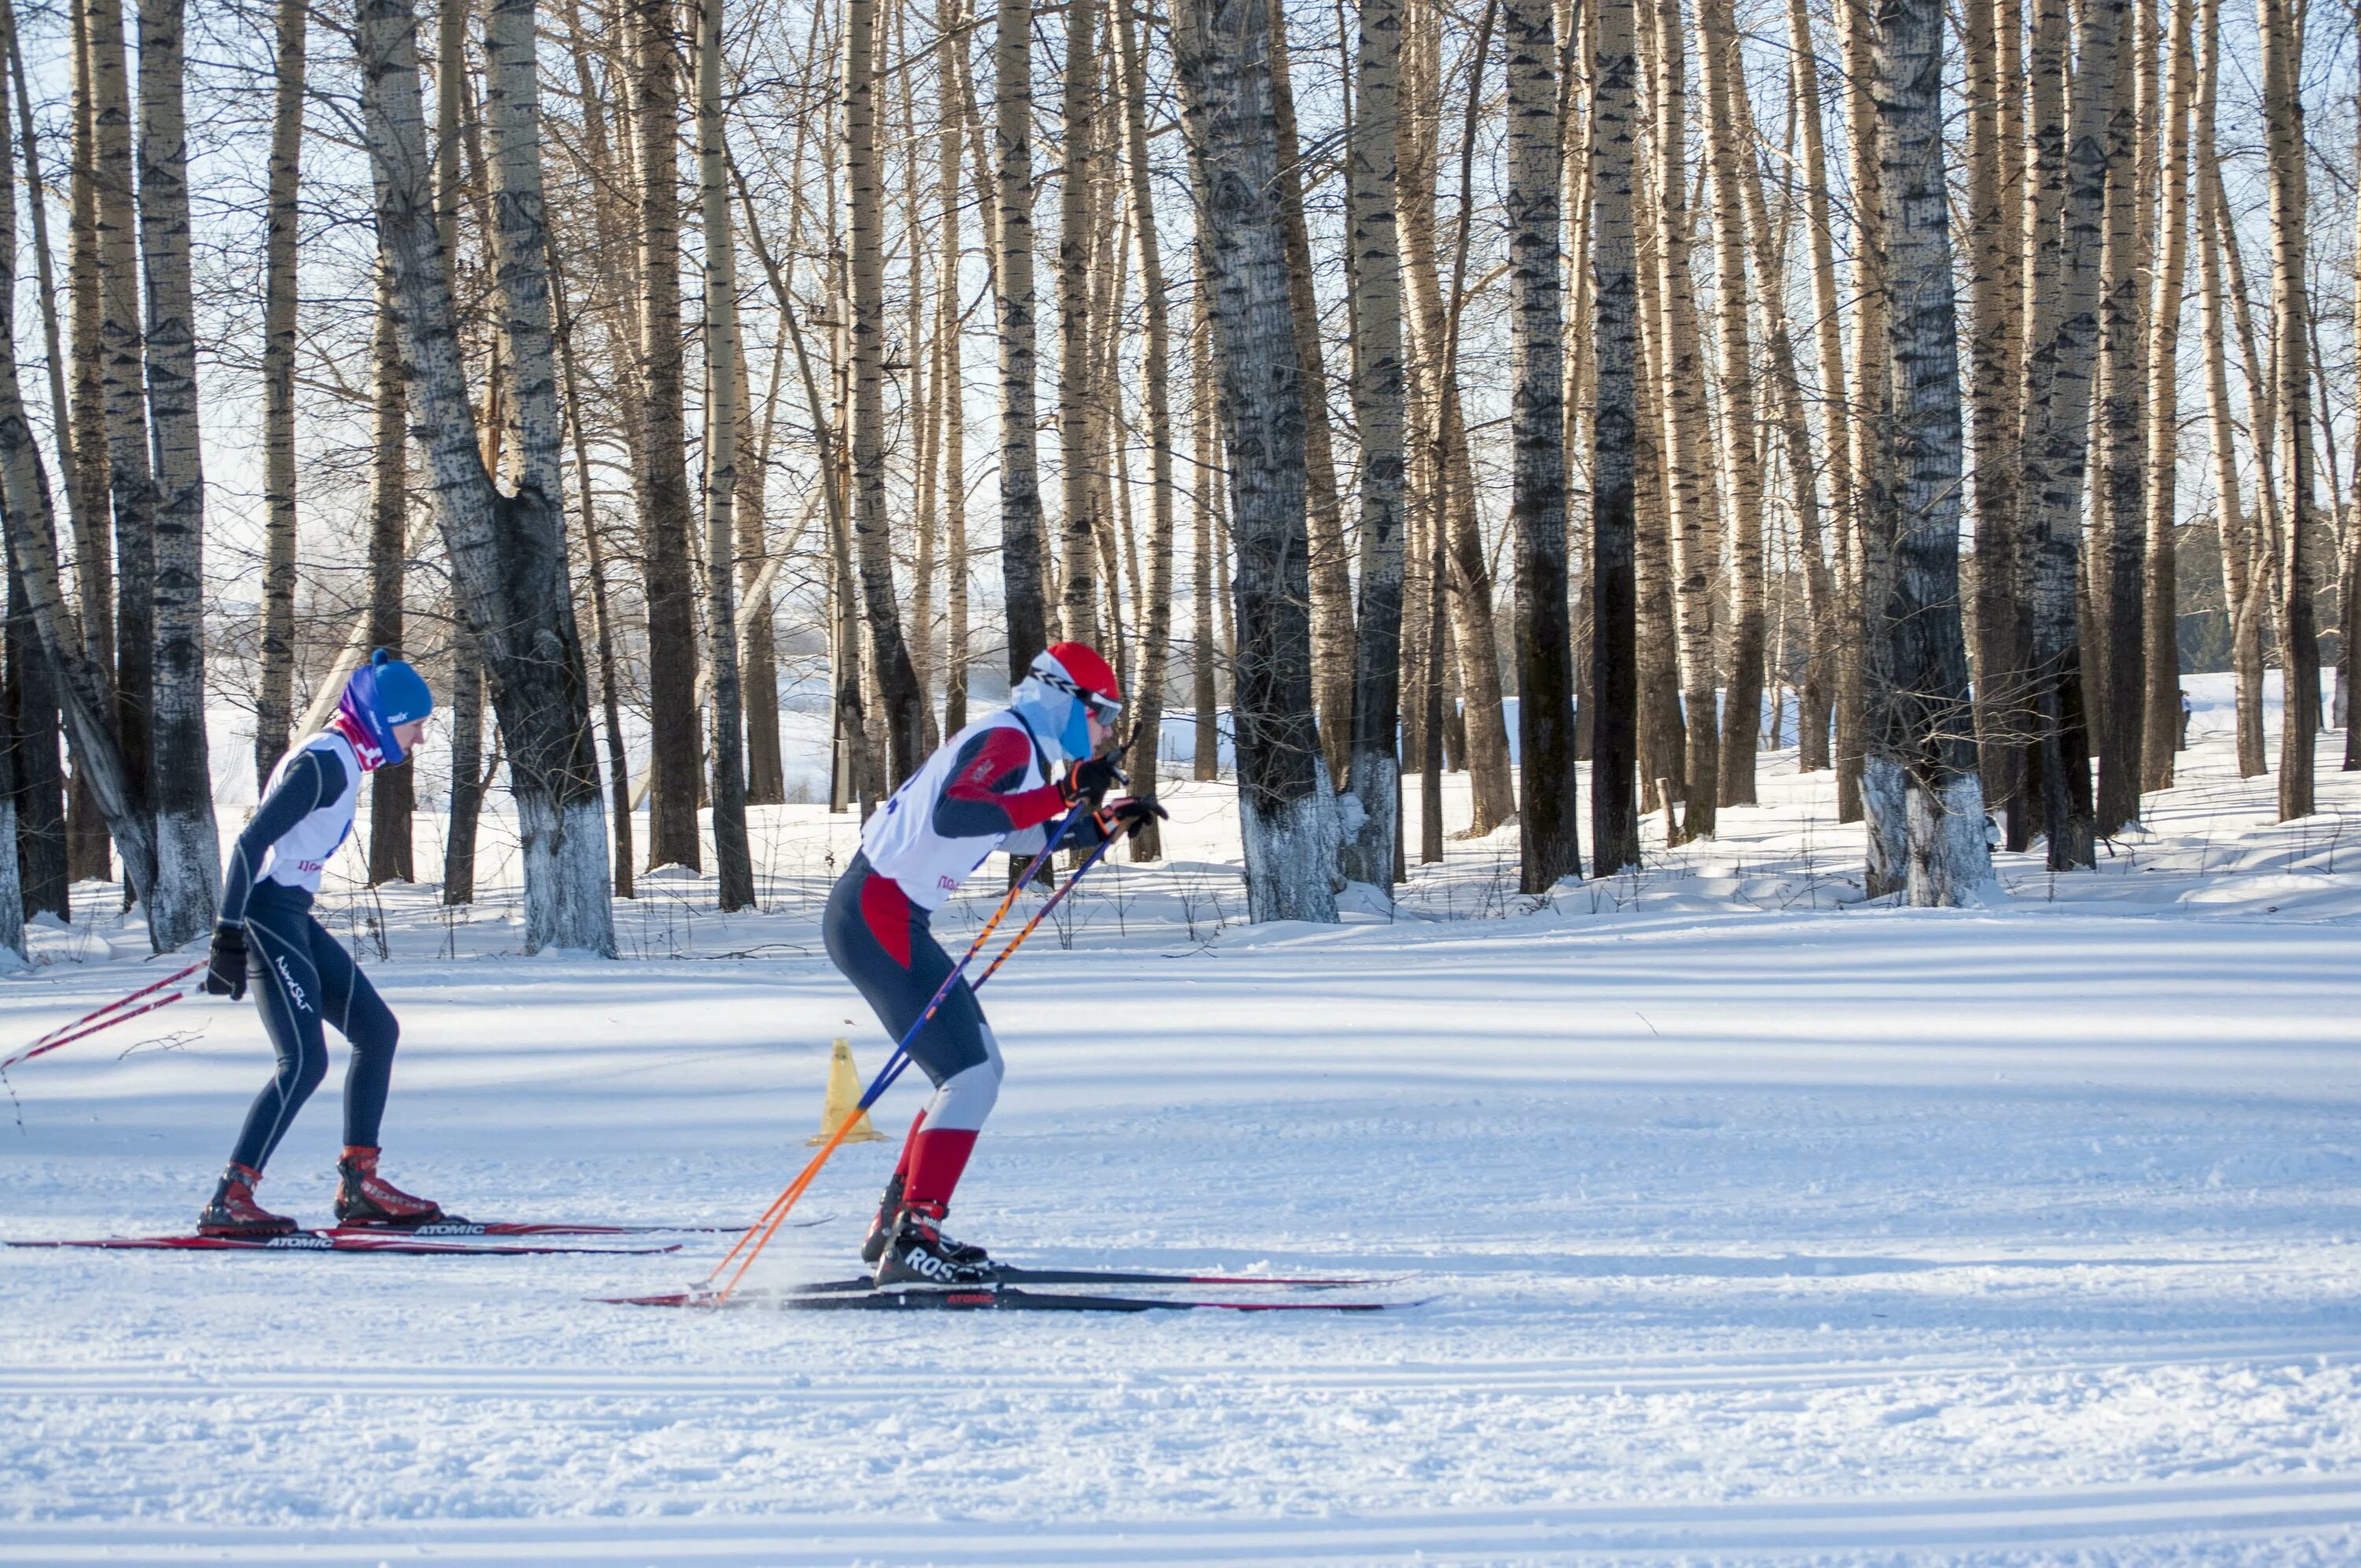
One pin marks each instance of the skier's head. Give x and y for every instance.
(384, 711)
(1072, 694)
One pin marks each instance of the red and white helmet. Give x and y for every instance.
(1076, 669)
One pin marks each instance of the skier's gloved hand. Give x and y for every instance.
(1129, 814)
(225, 971)
(1086, 784)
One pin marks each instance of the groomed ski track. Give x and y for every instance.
(1756, 1233)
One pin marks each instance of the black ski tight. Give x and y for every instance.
(303, 977)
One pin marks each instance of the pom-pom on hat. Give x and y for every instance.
(382, 694)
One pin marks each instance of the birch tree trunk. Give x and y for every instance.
(392, 796)
(2162, 726)
(1020, 485)
(1374, 768)
(1332, 577)
(2063, 281)
(1468, 584)
(1547, 827)
(187, 843)
(1861, 555)
(1794, 437)
(1614, 669)
(274, 693)
(1206, 759)
(1287, 817)
(1827, 335)
(1724, 78)
(2244, 590)
(35, 778)
(951, 376)
(2121, 523)
(45, 824)
(675, 756)
(12, 894)
(1995, 292)
(1156, 633)
(1928, 734)
(724, 386)
(124, 389)
(507, 551)
(619, 768)
(1664, 748)
(1695, 546)
(902, 703)
(2299, 646)
(1079, 614)
(89, 854)
(84, 688)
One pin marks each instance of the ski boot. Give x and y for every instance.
(919, 1254)
(881, 1229)
(235, 1214)
(364, 1198)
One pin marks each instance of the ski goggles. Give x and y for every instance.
(1104, 708)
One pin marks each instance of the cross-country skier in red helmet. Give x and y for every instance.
(1002, 784)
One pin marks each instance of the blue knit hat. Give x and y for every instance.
(384, 693)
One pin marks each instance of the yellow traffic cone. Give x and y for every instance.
(843, 1099)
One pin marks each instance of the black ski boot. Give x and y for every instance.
(235, 1214)
(919, 1254)
(881, 1229)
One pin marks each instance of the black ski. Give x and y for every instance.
(395, 1242)
(991, 1300)
(1018, 1273)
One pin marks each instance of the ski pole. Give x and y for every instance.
(779, 1206)
(91, 1022)
(772, 1217)
(902, 1058)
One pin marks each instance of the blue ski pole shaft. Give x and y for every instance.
(758, 1235)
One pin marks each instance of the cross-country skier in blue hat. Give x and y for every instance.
(305, 978)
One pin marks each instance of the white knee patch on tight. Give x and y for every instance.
(965, 1099)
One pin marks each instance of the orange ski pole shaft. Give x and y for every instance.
(758, 1235)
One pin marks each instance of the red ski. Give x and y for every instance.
(462, 1228)
(389, 1242)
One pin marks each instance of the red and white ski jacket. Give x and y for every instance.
(989, 788)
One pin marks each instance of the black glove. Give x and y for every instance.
(1086, 784)
(1129, 814)
(226, 974)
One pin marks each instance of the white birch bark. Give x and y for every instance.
(188, 842)
(1287, 813)
(507, 551)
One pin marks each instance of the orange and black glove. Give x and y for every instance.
(1128, 815)
(1086, 784)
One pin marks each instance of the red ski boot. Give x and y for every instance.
(235, 1214)
(364, 1198)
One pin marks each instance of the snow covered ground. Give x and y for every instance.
(1748, 1224)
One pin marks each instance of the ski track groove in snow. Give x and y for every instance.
(1755, 1230)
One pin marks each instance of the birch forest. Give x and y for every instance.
(1588, 397)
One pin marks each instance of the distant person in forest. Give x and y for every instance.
(1002, 784)
(306, 978)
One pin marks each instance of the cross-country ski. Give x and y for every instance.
(871, 1298)
(339, 1240)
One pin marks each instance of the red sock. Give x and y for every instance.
(909, 1141)
(938, 1156)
